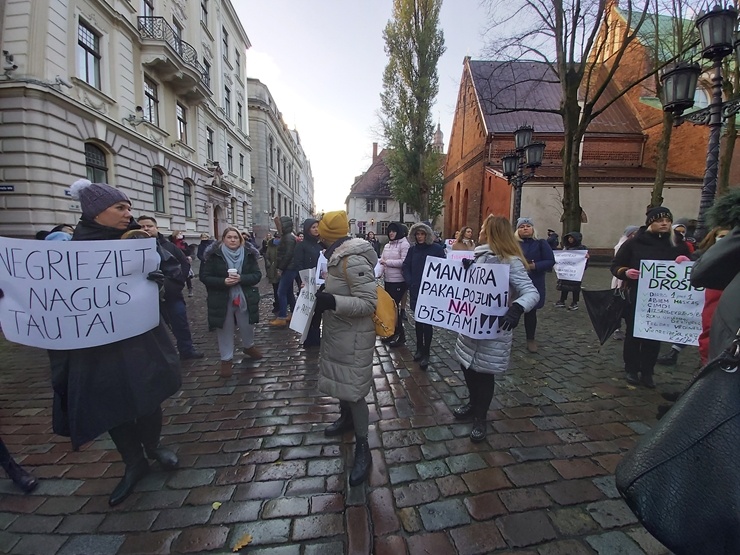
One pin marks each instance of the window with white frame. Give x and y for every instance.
(244, 213)
(382, 205)
(227, 101)
(147, 8)
(230, 158)
(383, 228)
(207, 72)
(88, 55)
(151, 101)
(241, 166)
(204, 12)
(361, 228)
(240, 116)
(209, 143)
(95, 164)
(272, 153)
(187, 193)
(369, 205)
(238, 62)
(182, 123)
(158, 190)
(225, 43)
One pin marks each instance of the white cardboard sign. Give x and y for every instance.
(304, 304)
(668, 307)
(465, 301)
(77, 294)
(570, 265)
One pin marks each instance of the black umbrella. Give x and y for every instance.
(605, 308)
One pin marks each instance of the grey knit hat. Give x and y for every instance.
(524, 221)
(95, 197)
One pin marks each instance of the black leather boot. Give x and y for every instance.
(398, 339)
(342, 424)
(478, 433)
(20, 477)
(131, 477)
(165, 457)
(424, 360)
(363, 462)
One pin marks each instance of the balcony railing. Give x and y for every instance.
(157, 28)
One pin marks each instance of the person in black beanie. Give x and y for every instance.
(118, 387)
(651, 242)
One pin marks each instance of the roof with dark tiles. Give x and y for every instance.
(374, 183)
(512, 93)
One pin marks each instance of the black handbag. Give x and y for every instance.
(682, 479)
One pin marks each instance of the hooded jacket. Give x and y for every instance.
(348, 337)
(539, 252)
(394, 253)
(98, 388)
(413, 264)
(306, 253)
(491, 356)
(286, 248)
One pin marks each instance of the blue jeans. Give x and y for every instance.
(286, 296)
(178, 319)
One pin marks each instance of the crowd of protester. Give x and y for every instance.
(342, 325)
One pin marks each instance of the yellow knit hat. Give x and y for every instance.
(333, 226)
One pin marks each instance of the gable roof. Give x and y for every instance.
(510, 93)
(375, 182)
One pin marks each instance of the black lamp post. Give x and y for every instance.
(717, 32)
(527, 154)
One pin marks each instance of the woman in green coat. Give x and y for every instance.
(230, 273)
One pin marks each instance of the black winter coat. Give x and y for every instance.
(287, 244)
(413, 265)
(306, 253)
(98, 388)
(213, 273)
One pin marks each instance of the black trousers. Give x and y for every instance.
(396, 291)
(480, 387)
(530, 323)
(5, 457)
(423, 335)
(131, 437)
(639, 354)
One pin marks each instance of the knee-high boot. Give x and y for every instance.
(344, 423)
(419, 341)
(150, 432)
(17, 474)
(128, 442)
(427, 345)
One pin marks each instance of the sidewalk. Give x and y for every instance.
(542, 484)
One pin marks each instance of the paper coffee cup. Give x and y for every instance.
(232, 271)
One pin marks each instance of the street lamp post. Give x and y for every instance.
(717, 33)
(526, 154)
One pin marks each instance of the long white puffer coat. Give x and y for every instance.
(348, 338)
(491, 356)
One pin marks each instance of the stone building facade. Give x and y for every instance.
(281, 171)
(148, 95)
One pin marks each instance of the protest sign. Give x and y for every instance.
(321, 268)
(570, 265)
(379, 270)
(460, 255)
(77, 294)
(449, 243)
(465, 301)
(304, 304)
(668, 307)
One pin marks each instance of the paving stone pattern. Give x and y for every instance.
(541, 484)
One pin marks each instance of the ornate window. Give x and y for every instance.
(95, 165)
(158, 190)
(88, 55)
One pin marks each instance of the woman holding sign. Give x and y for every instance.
(422, 246)
(231, 274)
(653, 241)
(481, 359)
(116, 388)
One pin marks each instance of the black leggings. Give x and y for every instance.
(576, 296)
(480, 387)
(396, 291)
(530, 323)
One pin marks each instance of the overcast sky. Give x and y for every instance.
(323, 62)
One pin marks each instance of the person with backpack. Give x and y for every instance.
(347, 302)
(540, 260)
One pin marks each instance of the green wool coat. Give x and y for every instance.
(213, 272)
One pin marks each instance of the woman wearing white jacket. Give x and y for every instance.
(482, 359)
(394, 253)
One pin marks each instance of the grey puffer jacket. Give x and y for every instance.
(491, 356)
(348, 338)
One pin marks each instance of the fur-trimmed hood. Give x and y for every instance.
(421, 226)
(726, 210)
(354, 246)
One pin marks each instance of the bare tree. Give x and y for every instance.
(582, 49)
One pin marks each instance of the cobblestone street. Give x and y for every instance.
(542, 483)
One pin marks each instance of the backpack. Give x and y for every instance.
(385, 316)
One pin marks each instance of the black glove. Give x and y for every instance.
(467, 262)
(325, 301)
(156, 276)
(510, 320)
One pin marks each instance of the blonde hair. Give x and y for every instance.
(501, 240)
(235, 230)
(136, 234)
(534, 233)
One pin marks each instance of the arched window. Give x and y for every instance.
(187, 192)
(158, 190)
(95, 166)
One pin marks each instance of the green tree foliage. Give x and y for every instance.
(414, 43)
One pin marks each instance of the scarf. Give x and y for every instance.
(235, 259)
